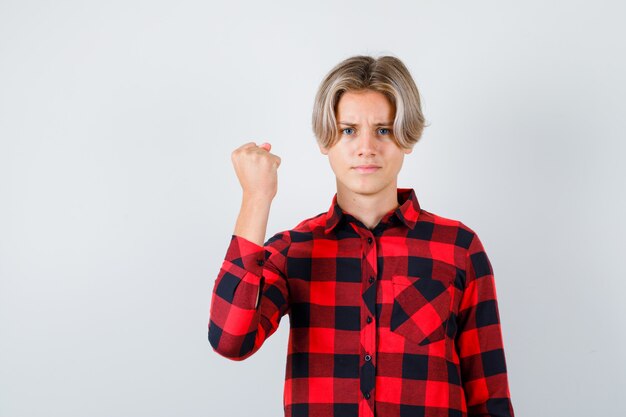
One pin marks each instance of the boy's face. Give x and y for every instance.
(365, 158)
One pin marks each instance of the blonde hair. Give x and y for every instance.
(387, 75)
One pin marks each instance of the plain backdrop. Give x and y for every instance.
(118, 198)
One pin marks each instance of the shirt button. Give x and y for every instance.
(260, 262)
(367, 395)
(369, 240)
(372, 279)
(369, 319)
(368, 358)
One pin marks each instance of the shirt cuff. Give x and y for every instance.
(246, 254)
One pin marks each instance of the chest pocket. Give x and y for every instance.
(421, 308)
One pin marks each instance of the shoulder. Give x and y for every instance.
(446, 229)
(469, 252)
(303, 231)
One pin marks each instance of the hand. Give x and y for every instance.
(257, 170)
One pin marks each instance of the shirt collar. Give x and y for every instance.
(407, 212)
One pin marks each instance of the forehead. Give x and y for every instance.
(368, 104)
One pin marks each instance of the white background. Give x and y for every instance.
(118, 199)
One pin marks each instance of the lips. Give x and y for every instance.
(366, 169)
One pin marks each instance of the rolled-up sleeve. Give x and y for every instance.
(238, 324)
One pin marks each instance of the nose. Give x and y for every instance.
(366, 144)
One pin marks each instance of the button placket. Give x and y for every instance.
(368, 333)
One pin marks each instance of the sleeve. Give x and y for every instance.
(479, 340)
(238, 325)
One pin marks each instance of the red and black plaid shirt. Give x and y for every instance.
(400, 321)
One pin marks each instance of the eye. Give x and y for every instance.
(384, 131)
(347, 131)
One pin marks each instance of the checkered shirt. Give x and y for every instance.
(397, 321)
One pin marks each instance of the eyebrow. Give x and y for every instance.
(356, 124)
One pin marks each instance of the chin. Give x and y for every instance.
(365, 189)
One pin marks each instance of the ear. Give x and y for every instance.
(407, 150)
(323, 149)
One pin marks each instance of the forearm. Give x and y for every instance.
(253, 217)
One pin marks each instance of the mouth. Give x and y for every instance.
(366, 169)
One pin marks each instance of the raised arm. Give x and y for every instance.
(250, 294)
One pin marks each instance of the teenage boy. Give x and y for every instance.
(392, 308)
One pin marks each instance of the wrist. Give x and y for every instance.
(257, 200)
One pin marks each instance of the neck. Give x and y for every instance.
(369, 209)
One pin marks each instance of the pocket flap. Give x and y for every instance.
(421, 308)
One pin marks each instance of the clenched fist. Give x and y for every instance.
(257, 170)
